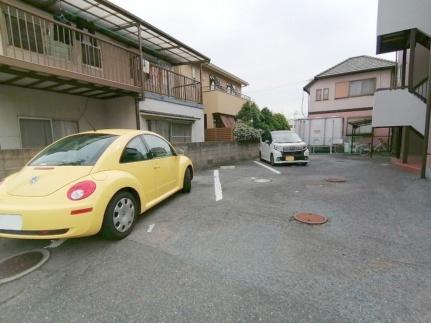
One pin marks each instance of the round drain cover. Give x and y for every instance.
(310, 218)
(19, 265)
(261, 180)
(336, 179)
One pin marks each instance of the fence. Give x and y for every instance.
(219, 134)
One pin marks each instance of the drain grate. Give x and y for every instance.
(19, 265)
(336, 179)
(310, 218)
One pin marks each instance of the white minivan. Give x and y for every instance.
(284, 147)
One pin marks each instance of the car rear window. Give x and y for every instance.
(78, 150)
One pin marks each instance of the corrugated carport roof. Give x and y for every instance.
(106, 15)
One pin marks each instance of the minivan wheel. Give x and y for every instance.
(271, 160)
(120, 216)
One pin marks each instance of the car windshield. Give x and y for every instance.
(285, 137)
(79, 150)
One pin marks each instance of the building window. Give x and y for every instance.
(63, 128)
(91, 51)
(39, 132)
(319, 95)
(326, 94)
(24, 34)
(181, 132)
(362, 87)
(35, 133)
(174, 131)
(62, 35)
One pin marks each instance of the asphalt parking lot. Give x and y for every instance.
(241, 256)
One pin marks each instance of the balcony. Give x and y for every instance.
(42, 53)
(399, 107)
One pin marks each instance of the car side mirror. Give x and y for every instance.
(267, 142)
(180, 151)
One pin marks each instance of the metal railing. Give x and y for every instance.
(422, 89)
(32, 38)
(227, 90)
(47, 42)
(165, 82)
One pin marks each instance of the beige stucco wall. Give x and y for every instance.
(18, 102)
(383, 80)
(221, 102)
(223, 79)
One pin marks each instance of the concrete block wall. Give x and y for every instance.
(211, 154)
(203, 154)
(13, 160)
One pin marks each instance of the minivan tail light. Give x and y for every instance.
(81, 190)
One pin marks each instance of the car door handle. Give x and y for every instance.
(156, 167)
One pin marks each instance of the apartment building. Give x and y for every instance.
(346, 90)
(222, 96)
(73, 65)
(404, 28)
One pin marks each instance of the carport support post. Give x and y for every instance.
(141, 78)
(372, 143)
(427, 124)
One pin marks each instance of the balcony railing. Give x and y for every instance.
(35, 39)
(165, 82)
(29, 37)
(227, 90)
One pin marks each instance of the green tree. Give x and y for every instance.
(280, 122)
(264, 119)
(250, 114)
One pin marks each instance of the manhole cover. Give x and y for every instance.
(19, 265)
(310, 218)
(261, 180)
(336, 179)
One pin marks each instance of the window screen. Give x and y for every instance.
(181, 132)
(319, 95)
(161, 127)
(35, 133)
(362, 87)
(63, 128)
(326, 94)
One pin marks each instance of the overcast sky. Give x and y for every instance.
(275, 45)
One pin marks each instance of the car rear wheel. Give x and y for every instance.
(187, 184)
(120, 216)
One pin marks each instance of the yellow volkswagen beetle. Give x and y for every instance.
(91, 182)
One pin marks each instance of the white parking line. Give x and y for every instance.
(267, 167)
(217, 186)
(151, 227)
(55, 243)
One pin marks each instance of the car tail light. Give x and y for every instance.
(81, 190)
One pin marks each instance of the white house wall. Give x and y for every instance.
(19, 102)
(398, 15)
(383, 80)
(166, 107)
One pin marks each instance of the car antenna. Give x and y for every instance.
(84, 116)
